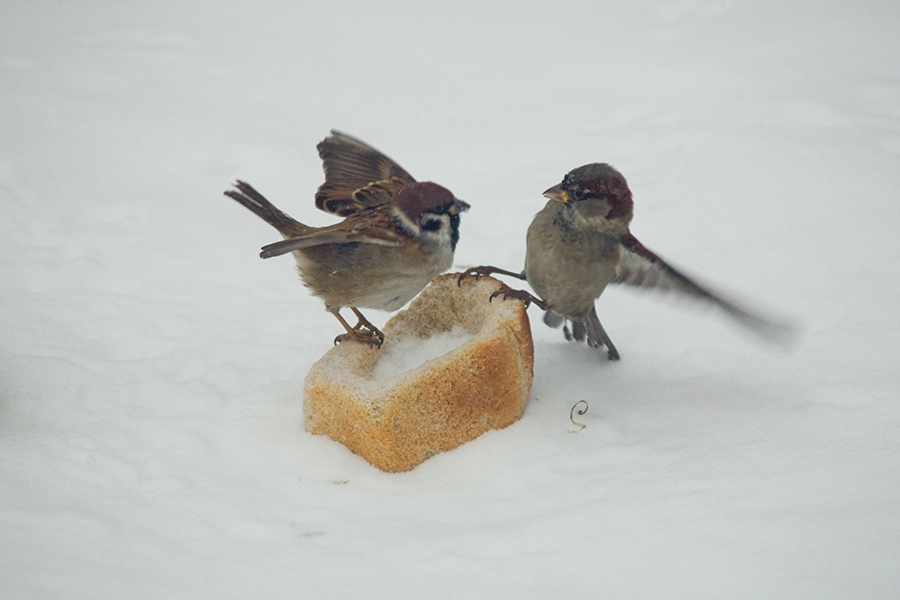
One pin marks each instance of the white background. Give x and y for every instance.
(151, 365)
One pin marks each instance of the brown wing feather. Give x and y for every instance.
(356, 175)
(377, 192)
(366, 227)
(642, 268)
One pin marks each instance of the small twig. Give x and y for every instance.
(580, 412)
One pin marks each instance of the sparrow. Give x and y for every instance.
(396, 236)
(581, 242)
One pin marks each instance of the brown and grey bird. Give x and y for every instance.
(581, 242)
(396, 236)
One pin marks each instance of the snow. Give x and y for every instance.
(411, 352)
(151, 365)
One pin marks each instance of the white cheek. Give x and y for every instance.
(410, 226)
(441, 235)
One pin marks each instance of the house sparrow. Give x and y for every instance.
(397, 234)
(580, 243)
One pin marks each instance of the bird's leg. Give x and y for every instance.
(364, 325)
(364, 332)
(478, 272)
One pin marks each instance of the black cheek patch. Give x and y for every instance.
(431, 225)
(454, 231)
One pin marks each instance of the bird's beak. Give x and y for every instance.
(558, 194)
(458, 207)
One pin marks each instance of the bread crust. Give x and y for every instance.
(399, 422)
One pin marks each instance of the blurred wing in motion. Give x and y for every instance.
(640, 267)
(357, 175)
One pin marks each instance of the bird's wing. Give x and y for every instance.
(364, 233)
(641, 267)
(357, 175)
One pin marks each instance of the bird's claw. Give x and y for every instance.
(476, 272)
(509, 293)
(373, 337)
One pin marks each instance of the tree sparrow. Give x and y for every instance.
(397, 234)
(580, 243)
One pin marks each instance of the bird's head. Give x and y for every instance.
(596, 191)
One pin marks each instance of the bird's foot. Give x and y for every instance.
(476, 272)
(363, 332)
(479, 272)
(363, 335)
(509, 293)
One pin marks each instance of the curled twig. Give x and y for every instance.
(580, 412)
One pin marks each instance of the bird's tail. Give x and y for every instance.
(248, 197)
(597, 336)
(589, 329)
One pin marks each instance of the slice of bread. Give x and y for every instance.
(401, 420)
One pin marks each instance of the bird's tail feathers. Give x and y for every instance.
(597, 336)
(248, 197)
(590, 329)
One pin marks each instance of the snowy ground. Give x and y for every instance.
(151, 365)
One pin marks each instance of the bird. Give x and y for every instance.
(581, 242)
(397, 234)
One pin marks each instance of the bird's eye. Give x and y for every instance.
(579, 194)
